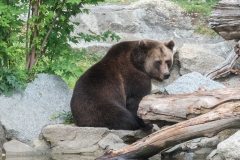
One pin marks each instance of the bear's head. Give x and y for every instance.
(155, 58)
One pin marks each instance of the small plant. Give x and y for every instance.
(65, 114)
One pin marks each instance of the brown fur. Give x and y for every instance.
(108, 93)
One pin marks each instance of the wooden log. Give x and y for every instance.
(180, 107)
(225, 19)
(224, 69)
(226, 115)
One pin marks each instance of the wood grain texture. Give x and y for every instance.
(225, 19)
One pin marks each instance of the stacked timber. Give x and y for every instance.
(225, 19)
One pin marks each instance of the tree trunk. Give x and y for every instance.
(32, 56)
(226, 115)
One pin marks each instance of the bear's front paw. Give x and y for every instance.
(147, 127)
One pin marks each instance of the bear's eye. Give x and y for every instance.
(158, 62)
(168, 63)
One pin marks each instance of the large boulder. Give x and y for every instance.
(203, 57)
(145, 19)
(24, 114)
(191, 82)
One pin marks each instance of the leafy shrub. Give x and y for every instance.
(41, 43)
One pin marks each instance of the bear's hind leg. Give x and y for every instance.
(121, 120)
(132, 106)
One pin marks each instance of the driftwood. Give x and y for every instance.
(225, 68)
(225, 116)
(223, 111)
(180, 107)
(225, 19)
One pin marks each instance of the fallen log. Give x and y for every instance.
(180, 107)
(224, 69)
(226, 115)
(223, 112)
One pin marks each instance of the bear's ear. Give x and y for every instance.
(143, 43)
(169, 44)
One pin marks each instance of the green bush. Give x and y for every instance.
(41, 43)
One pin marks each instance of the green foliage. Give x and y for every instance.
(11, 80)
(12, 74)
(57, 56)
(197, 6)
(41, 44)
(67, 115)
(203, 29)
(87, 60)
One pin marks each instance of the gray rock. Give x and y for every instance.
(186, 156)
(41, 146)
(15, 147)
(87, 140)
(203, 153)
(145, 19)
(25, 113)
(191, 82)
(111, 141)
(214, 156)
(231, 81)
(63, 138)
(198, 148)
(2, 138)
(198, 58)
(130, 136)
(230, 148)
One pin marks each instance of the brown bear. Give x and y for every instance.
(108, 93)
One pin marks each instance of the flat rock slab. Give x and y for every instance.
(71, 139)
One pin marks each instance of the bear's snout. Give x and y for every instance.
(166, 75)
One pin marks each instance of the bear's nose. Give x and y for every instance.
(166, 75)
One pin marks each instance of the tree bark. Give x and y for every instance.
(32, 56)
(226, 115)
(225, 19)
(224, 69)
(181, 107)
